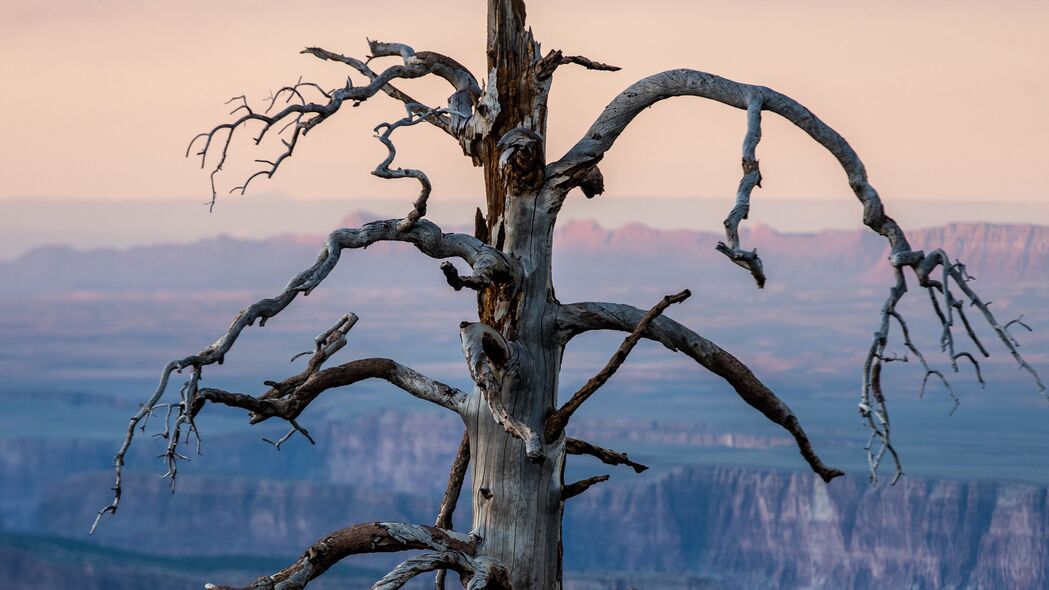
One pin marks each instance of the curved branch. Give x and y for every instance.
(588, 151)
(383, 170)
(467, 90)
(1019, 322)
(373, 537)
(577, 318)
(457, 281)
(427, 237)
(556, 422)
(575, 446)
(571, 170)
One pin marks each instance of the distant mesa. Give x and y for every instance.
(1007, 253)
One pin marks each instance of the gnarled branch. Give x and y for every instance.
(956, 273)
(872, 400)
(383, 170)
(577, 318)
(467, 90)
(294, 115)
(747, 259)
(427, 237)
(458, 281)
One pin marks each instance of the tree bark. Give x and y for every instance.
(517, 506)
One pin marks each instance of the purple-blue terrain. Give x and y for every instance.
(727, 503)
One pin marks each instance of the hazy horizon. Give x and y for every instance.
(29, 223)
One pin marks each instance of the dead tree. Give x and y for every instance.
(515, 430)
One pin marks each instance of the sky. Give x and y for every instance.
(942, 100)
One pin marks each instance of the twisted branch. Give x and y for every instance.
(383, 170)
(747, 259)
(458, 281)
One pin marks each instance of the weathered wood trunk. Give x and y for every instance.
(517, 505)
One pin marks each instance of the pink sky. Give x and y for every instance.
(942, 100)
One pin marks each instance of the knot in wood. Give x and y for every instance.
(593, 183)
(521, 159)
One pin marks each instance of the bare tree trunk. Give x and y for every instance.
(517, 505)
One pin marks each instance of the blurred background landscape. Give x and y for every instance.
(727, 504)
